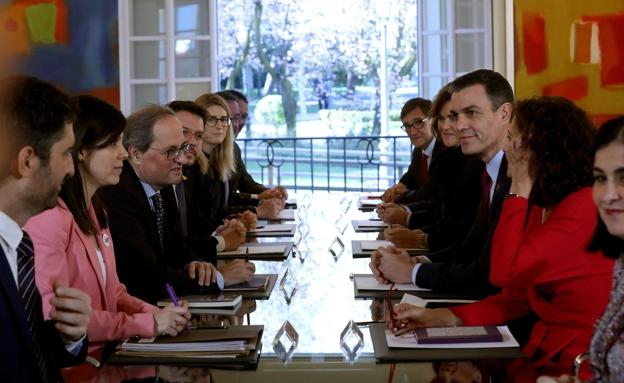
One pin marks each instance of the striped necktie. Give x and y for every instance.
(159, 212)
(32, 299)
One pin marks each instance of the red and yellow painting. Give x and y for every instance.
(574, 49)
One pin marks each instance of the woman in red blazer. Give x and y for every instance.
(539, 255)
(74, 244)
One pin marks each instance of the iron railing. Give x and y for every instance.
(369, 163)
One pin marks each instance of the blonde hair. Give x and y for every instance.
(220, 164)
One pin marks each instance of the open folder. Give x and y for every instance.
(237, 347)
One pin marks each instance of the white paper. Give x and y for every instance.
(242, 250)
(418, 301)
(369, 282)
(225, 345)
(273, 228)
(287, 214)
(367, 223)
(370, 202)
(408, 340)
(374, 245)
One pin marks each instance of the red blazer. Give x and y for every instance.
(545, 268)
(65, 253)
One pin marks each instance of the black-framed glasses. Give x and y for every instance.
(417, 123)
(173, 153)
(213, 121)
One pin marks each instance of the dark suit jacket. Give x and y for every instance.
(412, 177)
(465, 267)
(453, 196)
(209, 196)
(141, 265)
(17, 360)
(241, 181)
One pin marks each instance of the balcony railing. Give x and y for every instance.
(327, 163)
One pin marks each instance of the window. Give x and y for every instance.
(455, 38)
(166, 51)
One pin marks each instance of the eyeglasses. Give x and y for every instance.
(417, 123)
(244, 116)
(173, 153)
(212, 121)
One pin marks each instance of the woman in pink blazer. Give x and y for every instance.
(75, 246)
(539, 252)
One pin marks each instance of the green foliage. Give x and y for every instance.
(348, 122)
(269, 110)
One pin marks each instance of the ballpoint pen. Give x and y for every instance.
(174, 299)
(246, 253)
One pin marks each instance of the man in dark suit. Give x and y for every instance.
(241, 183)
(150, 249)
(481, 109)
(35, 158)
(417, 125)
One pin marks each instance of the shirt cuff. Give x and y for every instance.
(220, 243)
(406, 208)
(407, 220)
(415, 272)
(220, 280)
(74, 347)
(254, 196)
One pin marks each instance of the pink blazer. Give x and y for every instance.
(64, 253)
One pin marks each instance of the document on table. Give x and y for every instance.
(418, 301)
(374, 245)
(370, 202)
(273, 228)
(370, 224)
(287, 214)
(256, 250)
(368, 282)
(408, 340)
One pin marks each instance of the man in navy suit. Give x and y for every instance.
(35, 158)
(482, 103)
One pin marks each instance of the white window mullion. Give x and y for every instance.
(214, 46)
(170, 49)
(419, 37)
(450, 23)
(125, 101)
(488, 21)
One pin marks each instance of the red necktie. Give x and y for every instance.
(486, 185)
(423, 168)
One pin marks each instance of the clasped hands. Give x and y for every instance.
(392, 213)
(393, 192)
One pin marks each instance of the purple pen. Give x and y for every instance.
(174, 299)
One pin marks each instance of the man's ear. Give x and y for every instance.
(27, 162)
(506, 109)
(134, 154)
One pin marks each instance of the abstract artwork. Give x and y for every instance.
(70, 43)
(574, 49)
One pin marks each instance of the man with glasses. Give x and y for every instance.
(150, 249)
(241, 181)
(417, 125)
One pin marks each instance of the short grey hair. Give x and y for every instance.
(140, 126)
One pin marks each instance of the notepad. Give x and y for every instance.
(206, 301)
(369, 223)
(409, 340)
(374, 245)
(257, 282)
(273, 228)
(255, 250)
(287, 214)
(368, 282)
(370, 202)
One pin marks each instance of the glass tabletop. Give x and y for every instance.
(309, 310)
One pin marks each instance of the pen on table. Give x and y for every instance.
(246, 253)
(174, 299)
(402, 331)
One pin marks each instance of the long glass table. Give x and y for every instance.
(320, 308)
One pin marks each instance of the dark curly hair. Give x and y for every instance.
(559, 136)
(610, 245)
